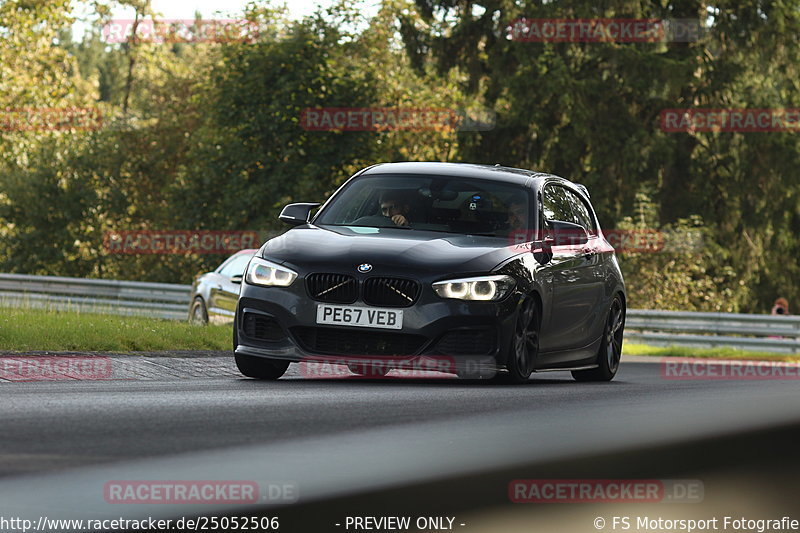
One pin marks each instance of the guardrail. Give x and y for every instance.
(747, 332)
(161, 300)
(767, 333)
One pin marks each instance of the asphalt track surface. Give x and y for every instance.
(163, 406)
(196, 418)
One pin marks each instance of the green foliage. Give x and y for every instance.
(684, 275)
(590, 112)
(207, 135)
(250, 156)
(210, 139)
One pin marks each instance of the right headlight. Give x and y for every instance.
(482, 288)
(267, 274)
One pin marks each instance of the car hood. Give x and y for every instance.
(421, 252)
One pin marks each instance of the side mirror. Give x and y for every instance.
(297, 214)
(543, 254)
(568, 234)
(237, 279)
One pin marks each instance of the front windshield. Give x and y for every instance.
(431, 203)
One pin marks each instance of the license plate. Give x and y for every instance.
(368, 317)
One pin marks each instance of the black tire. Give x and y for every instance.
(198, 314)
(235, 334)
(524, 345)
(368, 370)
(260, 367)
(610, 351)
(257, 367)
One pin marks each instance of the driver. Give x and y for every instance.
(396, 207)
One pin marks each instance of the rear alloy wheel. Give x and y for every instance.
(525, 344)
(368, 370)
(198, 316)
(610, 351)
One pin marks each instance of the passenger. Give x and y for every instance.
(518, 223)
(517, 216)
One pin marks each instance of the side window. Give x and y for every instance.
(582, 214)
(235, 266)
(555, 204)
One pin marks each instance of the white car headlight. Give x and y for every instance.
(483, 288)
(262, 272)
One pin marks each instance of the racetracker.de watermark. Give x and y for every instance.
(54, 368)
(50, 119)
(134, 242)
(605, 491)
(396, 119)
(730, 120)
(376, 367)
(161, 31)
(604, 30)
(199, 492)
(685, 368)
(621, 240)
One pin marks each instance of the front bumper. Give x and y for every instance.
(463, 332)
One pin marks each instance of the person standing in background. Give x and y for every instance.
(781, 307)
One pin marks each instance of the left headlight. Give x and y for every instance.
(262, 272)
(483, 288)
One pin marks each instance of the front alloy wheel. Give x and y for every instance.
(525, 344)
(610, 351)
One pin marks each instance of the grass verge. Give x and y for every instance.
(707, 353)
(36, 329)
(42, 330)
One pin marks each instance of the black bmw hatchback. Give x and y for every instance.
(498, 271)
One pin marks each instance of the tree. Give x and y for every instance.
(590, 112)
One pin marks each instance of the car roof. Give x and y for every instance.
(463, 170)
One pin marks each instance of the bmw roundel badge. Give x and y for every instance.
(364, 268)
